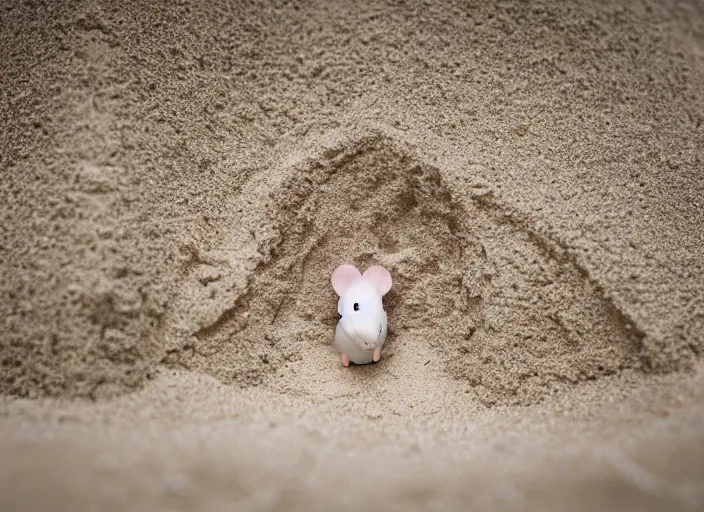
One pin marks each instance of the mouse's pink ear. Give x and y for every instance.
(343, 277)
(380, 278)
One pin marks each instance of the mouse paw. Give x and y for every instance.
(377, 354)
(345, 360)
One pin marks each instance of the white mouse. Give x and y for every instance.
(362, 322)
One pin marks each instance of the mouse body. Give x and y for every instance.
(362, 321)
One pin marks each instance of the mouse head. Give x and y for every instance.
(360, 308)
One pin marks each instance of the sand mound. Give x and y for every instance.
(493, 302)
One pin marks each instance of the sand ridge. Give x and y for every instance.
(472, 283)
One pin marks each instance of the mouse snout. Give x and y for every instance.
(370, 336)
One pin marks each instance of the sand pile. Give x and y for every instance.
(181, 180)
(493, 302)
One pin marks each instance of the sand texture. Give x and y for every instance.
(180, 179)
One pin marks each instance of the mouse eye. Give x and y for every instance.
(339, 316)
(356, 306)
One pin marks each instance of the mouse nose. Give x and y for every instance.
(368, 336)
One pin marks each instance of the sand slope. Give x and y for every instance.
(180, 179)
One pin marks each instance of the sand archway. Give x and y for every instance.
(492, 305)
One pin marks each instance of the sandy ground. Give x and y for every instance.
(181, 178)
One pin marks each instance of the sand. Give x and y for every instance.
(180, 179)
